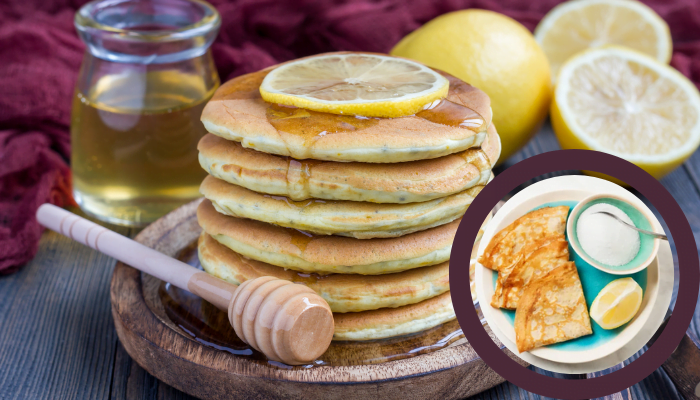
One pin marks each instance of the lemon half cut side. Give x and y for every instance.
(368, 85)
(617, 303)
(627, 104)
(577, 25)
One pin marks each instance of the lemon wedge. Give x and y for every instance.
(368, 85)
(617, 303)
(577, 25)
(625, 103)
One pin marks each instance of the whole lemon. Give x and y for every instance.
(496, 54)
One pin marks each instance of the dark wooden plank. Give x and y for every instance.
(57, 338)
(684, 368)
(131, 382)
(692, 167)
(166, 392)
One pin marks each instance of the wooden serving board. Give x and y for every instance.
(188, 344)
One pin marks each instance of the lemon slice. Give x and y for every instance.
(625, 103)
(617, 303)
(368, 85)
(577, 25)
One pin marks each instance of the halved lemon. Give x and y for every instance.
(625, 103)
(617, 303)
(368, 85)
(577, 25)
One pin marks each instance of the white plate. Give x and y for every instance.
(636, 333)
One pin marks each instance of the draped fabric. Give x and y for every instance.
(40, 56)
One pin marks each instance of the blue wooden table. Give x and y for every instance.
(57, 338)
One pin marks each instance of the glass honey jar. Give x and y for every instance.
(145, 78)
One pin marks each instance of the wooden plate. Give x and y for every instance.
(188, 344)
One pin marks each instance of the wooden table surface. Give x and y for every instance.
(57, 338)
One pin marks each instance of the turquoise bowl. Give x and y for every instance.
(642, 218)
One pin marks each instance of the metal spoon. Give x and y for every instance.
(650, 233)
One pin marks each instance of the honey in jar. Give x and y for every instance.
(135, 122)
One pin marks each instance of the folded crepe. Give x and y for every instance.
(552, 309)
(533, 262)
(505, 247)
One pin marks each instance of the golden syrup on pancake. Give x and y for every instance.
(446, 112)
(309, 277)
(210, 327)
(297, 204)
(300, 239)
(298, 174)
(312, 125)
(478, 158)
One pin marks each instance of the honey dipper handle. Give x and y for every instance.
(136, 255)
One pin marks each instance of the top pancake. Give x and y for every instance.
(408, 182)
(238, 112)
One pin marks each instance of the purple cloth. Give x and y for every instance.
(40, 55)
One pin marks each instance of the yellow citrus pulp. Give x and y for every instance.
(625, 103)
(574, 26)
(617, 303)
(355, 84)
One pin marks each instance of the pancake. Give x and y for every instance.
(552, 310)
(504, 248)
(343, 292)
(538, 259)
(237, 112)
(408, 182)
(492, 145)
(290, 248)
(361, 220)
(390, 322)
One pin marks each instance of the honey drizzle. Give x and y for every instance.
(298, 175)
(210, 327)
(478, 158)
(312, 125)
(449, 113)
(296, 204)
(300, 239)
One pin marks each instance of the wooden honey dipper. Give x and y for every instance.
(285, 321)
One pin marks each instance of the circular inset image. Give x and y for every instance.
(564, 279)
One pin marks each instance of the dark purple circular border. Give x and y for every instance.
(688, 289)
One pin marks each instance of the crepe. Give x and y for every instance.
(536, 260)
(552, 310)
(237, 112)
(409, 182)
(504, 249)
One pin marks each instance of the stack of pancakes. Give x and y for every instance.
(362, 210)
